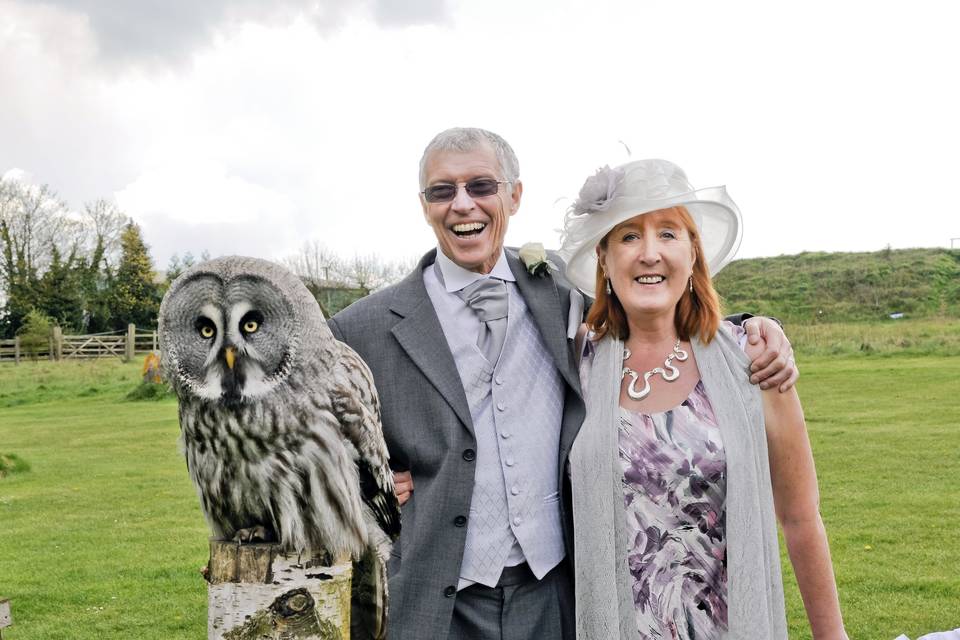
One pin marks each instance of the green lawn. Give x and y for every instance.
(102, 537)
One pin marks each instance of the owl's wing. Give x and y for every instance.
(357, 407)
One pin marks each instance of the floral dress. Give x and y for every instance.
(674, 491)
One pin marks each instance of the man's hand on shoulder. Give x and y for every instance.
(775, 365)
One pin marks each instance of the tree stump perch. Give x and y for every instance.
(256, 592)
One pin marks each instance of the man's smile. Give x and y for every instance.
(468, 229)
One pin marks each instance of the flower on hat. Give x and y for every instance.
(599, 190)
(534, 258)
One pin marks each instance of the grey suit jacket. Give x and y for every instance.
(426, 421)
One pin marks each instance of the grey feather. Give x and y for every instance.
(288, 438)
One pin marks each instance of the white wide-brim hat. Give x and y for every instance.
(612, 196)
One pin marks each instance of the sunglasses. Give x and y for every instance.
(478, 188)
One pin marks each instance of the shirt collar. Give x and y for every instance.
(456, 277)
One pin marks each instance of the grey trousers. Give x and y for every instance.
(520, 607)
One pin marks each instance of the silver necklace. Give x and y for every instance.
(668, 372)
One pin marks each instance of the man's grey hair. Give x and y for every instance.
(466, 139)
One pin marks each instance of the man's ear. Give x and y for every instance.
(424, 205)
(515, 196)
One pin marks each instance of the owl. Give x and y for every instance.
(280, 422)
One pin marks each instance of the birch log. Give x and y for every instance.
(5, 618)
(258, 593)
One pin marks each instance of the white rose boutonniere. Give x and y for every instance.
(534, 258)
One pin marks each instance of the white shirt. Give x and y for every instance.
(453, 312)
(456, 277)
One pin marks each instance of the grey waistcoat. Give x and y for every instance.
(605, 608)
(516, 408)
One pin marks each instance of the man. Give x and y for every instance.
(481, 403)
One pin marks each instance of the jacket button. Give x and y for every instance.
(469, 455)
(450, 591)
(460, 521)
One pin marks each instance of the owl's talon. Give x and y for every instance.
(251, 534)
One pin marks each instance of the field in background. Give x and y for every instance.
(815, 287)
(924, 337)
(103, 537)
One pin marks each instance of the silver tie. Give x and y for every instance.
(488, 299)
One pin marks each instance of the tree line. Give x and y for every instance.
(86, 271)
(91, 271)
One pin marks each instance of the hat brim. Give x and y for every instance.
(717, 218)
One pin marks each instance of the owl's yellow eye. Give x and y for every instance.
(250, 326)
(207, 331)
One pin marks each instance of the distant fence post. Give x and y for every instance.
(16, 350)
(154, 349)
(131, 342)
(57, 343)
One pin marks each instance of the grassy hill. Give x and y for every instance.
(815, 287)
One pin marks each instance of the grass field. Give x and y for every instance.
(102, 536)
(922, 337)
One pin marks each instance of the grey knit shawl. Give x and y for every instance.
(605, 608)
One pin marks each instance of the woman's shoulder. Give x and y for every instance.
(729, 343)
(586, 344)
(735, 332)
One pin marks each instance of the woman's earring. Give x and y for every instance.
(691, 284)
(609, 290)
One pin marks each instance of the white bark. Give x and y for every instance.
(256, 592)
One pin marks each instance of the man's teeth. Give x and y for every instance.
(468, 227)
(650, 279)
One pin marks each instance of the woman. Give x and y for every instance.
(681, 464)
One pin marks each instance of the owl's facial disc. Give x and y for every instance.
(236, 341)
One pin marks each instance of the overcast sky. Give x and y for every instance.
(233, 128)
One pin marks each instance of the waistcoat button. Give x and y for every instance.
(450, 591)
(460, 521)
(469, 455)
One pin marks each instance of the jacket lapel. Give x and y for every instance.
(543, 300)
(419, 334)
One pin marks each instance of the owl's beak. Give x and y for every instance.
(230, 355)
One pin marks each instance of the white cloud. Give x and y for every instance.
(833, 126)
(157, 34)
(198, 191)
